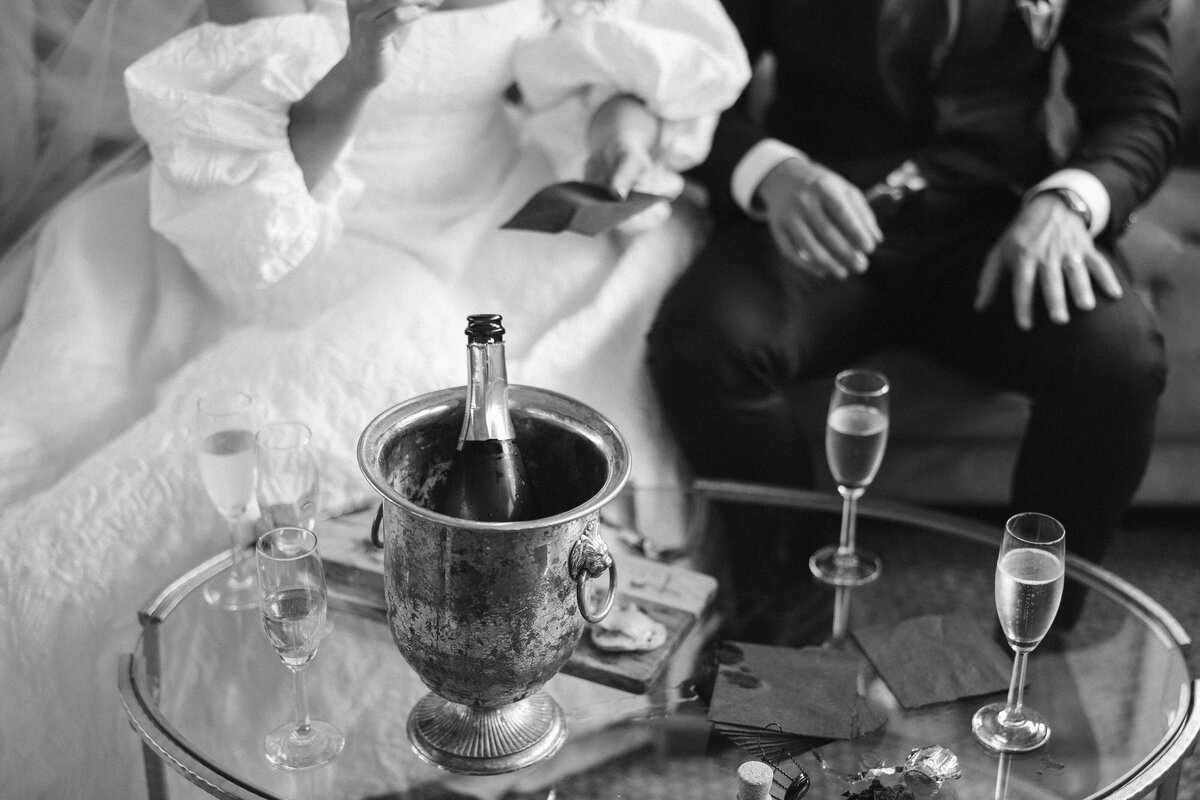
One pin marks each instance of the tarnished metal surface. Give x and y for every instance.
(487, 612)
(484, 617)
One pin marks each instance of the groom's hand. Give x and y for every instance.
(1047, 250)
(820, 221)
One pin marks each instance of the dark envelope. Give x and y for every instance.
(578, 207)
(810, 692)
(936, 658)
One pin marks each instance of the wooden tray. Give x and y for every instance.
(632, 672)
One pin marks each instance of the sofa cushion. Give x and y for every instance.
(1185, 62)
(1163, 248)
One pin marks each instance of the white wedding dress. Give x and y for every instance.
(327, 307)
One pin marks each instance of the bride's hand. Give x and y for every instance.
(376, 26)
(621, 139)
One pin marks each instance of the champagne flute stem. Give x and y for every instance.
(240, 558)
(841, 614)
(303, 721)
(1003, 771)
(846, 546)
(1014, 709)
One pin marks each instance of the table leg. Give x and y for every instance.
(1169, 788)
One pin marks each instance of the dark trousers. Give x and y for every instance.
(742, 327)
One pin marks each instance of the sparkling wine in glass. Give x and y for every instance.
(1029, 582)
(856, 430)
(288, 477)
(226, 458)
(293, 603)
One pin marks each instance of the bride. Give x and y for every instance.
(321, 209)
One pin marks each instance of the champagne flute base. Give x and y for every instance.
(834, 569)
(995, 733)
(232, 590)
(290, 748)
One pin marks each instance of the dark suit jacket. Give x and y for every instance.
(959, 85)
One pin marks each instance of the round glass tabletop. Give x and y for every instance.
(203, 688)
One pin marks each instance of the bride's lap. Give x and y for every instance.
(111, 310)
(82, 557)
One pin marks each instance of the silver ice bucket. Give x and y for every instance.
(487, 612)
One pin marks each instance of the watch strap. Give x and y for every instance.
(1072, 201)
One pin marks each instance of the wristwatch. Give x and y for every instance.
(1073, 202)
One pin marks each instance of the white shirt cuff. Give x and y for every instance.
(1088, 187)
(754, 166)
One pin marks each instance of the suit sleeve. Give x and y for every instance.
(1121, 84)
(737, 130)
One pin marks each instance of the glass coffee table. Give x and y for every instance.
(202, 688)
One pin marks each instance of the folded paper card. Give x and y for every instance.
(579, 207)
(810, 692)
(936, 658)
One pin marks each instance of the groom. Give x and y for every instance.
(901, 188)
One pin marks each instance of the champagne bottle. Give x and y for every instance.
(487, 480)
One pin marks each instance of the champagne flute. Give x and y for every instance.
(288, 478)
(1029, 582)
(225, 452)
(293, 604)
(856, 430)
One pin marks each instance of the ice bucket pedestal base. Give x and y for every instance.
(486, 741)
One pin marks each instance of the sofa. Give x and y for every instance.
(953, 442)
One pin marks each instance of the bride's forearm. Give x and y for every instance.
(321, 122)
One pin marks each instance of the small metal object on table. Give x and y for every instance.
(202, 687)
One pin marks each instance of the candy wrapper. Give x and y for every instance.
(924, 770)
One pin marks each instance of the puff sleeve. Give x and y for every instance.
(682, 58)
(225, 187)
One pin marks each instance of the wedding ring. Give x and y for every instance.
(803, 257)
(1075, 259)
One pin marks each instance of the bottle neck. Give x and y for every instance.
(487, 394)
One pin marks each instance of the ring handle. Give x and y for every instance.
(589, 558)
(375, 537)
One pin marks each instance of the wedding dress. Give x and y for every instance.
(327, 307)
